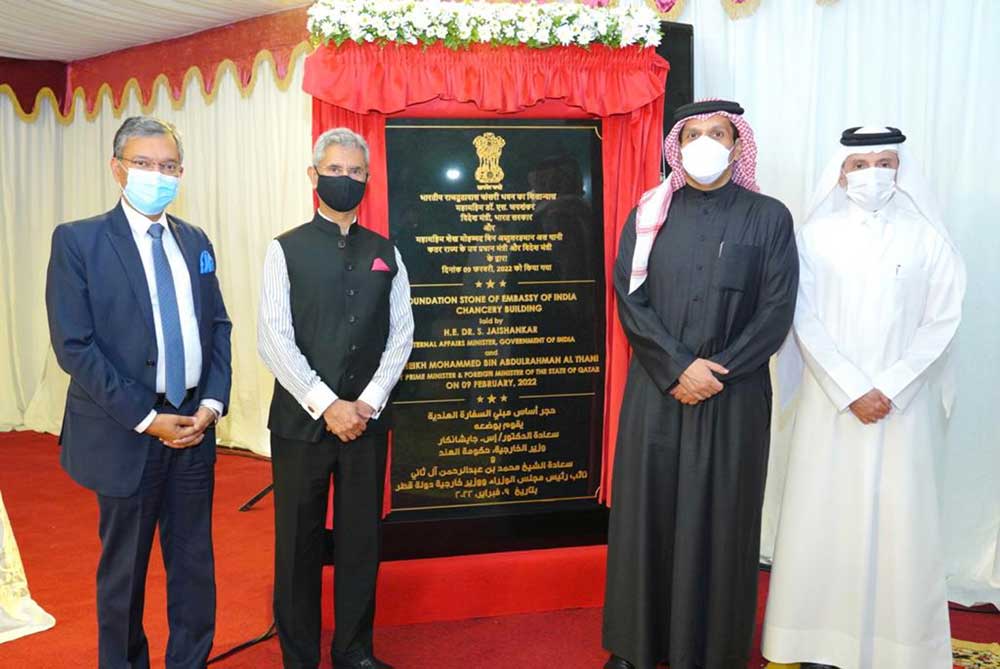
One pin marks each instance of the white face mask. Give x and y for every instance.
(871, 188)
(705, 160)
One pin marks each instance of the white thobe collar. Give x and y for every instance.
(874, 220)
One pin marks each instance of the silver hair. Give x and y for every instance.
(145, 126)
(341, 137)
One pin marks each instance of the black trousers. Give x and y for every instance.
(302, 472)
(176, 494)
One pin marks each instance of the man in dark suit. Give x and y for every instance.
(138, 322)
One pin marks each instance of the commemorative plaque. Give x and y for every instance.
(500, 227)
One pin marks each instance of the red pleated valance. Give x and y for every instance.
(600, 81)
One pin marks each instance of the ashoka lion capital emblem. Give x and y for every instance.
(488, 148)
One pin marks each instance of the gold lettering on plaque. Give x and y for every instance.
(488, 148)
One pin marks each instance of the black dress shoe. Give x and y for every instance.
(370, 662)
(615, 662)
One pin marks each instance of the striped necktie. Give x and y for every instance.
(170, 319)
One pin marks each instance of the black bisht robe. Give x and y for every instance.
(688, 485)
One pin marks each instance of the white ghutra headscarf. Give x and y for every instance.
(913, 193)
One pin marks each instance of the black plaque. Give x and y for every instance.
(500, 407)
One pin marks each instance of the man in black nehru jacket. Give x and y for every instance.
(335, 329)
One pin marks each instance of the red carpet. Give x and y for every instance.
(55, 523)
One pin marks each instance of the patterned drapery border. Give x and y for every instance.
(740, 9)
(667, 10)
(87, 102)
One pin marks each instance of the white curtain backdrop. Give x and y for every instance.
(804, 72)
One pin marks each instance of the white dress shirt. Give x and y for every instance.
(277, 347)
(140, 225)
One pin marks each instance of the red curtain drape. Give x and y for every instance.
(359, 86)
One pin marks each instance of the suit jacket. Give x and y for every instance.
(101, 324)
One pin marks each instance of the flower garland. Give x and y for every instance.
(461, 24)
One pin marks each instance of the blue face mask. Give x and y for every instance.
(150, 192)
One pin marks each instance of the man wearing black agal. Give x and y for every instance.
(336, 329)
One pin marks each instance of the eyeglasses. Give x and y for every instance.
(356, 173)
(169, 167)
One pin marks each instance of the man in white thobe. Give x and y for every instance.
(858, 579)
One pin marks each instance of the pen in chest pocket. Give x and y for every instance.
(721, 246)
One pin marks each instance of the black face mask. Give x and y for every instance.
(340, 193)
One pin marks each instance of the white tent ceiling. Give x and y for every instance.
(73, 29)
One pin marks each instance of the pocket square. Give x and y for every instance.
(378, 265)
(207, 262)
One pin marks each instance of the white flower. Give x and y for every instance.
(564, 34)
(419, 20)
(653, 36)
